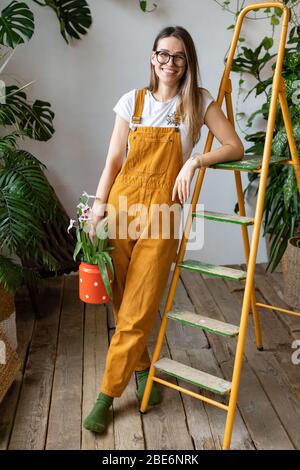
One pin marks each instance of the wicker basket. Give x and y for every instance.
(291, 273)
(8, 316)
(9, 364)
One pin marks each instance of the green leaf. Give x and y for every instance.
(38, 121)
(78, 247)
(104, 275)
(289, 188)
(23, 178)
(143, 5)
(8, 142)
(274, 20)
(35, 120)
(16, 23)
(279, 142)
(85, 247)
(110, 264)
(267, 42)
(17, 224)
(11, 275)
(74, 17)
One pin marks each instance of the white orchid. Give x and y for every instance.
(72, 223)
(88, 195)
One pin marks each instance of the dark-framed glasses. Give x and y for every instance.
(163, 57)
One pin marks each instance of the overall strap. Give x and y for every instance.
(139, 104)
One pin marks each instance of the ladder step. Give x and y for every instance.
(220, 217)
(213, 269)
(248, 163)
(205, 323)
(194, 376)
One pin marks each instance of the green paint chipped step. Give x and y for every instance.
(218, 216)
(248, 163)
(205, 323)
(213, 270)
(194, 376)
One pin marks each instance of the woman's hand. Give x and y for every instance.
(183, 181)
(97, 214)
(93, 227)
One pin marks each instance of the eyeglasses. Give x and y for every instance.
(163, 57)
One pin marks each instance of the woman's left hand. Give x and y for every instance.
(183, 181)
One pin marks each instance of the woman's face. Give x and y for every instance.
(172, 71)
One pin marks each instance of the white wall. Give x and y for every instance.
(84, 81)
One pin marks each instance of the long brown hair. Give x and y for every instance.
(188, 88)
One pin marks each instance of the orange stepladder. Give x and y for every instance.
(258, 164)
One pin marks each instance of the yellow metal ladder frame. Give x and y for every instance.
(278, 90)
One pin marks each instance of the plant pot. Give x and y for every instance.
(291, 273)
(8, 316)
(91, 286)
(9, 364)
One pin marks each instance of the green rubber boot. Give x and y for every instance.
(155, 396)
(97, 419)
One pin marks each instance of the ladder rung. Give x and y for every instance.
(213, 269)
(220, 217)
(194, 376)
(205, 323)
(248, 163)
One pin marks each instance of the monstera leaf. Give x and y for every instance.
(74, 16)
(16, 23)
(35, 120)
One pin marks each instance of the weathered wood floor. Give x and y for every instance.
(63, 356)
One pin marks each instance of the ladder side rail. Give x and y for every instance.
(244, 229)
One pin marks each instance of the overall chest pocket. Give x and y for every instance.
(150, 154)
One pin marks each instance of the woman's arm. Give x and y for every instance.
(113, 164)
(232, 147)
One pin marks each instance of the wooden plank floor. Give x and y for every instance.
(63, 356)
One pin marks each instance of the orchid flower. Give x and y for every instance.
(88, 195)
(84, 217)
(72, 223)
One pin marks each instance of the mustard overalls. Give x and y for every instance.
(142, 263)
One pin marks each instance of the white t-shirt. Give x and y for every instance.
(160, 114)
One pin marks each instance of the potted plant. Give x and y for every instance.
(33, 239)
(96, 272)
(282, 200)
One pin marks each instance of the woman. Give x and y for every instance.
(158, 126)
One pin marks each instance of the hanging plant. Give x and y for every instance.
(74, 16)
